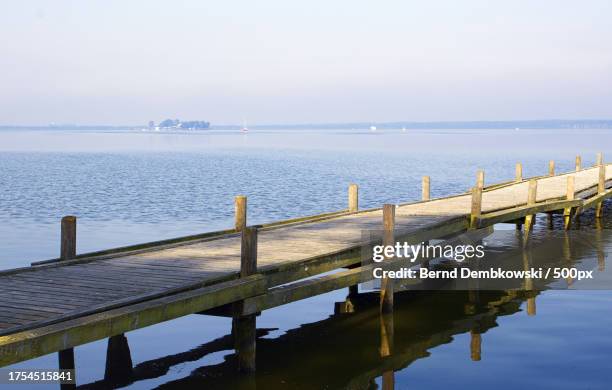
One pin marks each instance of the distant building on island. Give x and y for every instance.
(177, 124)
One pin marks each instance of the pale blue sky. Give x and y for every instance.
(125, 62)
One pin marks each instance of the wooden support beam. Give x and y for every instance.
(353, 198)
(578, 163)
(67, 252)
(426, 188)
(531, 201)
(476, 209)
(240, 212)
(386, 285)
(518, 172)
(68, 237)
(551, 168)
(244, 327)
(523, 211)
(119, 367)
(599, 159)
(568, 212)
(601, 189)
(480, 179)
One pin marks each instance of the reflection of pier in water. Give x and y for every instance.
(378, 344)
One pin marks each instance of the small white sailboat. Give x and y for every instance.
(372, 128)
(244, 128)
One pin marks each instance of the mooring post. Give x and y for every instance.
(244, 327)
(353, 198)
(568, 212)
(578, 163)
(425, 188)
(531, 200)
(68, 238)
(551, 168)
(480, 179)
(476, 208)
(386, 285)
(119, 366)
(475, 345)
(518, 170)
(599, 159)
(601, 188)
(240, 212)
(67, 252)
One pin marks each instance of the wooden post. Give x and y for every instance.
(551, 168)
(475, 346)
(519, 172)
(599, 159)
(68, 238)
(240, 212)
(578, 163)
(531, 200)
(119, 366)
(480, 179)
(570, 195)
(425, 191)
(386, 285)
(476, 207)
(67, 252)
(244, 327)
(601, 188)
(353, 198)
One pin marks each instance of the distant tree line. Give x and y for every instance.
(177, 124)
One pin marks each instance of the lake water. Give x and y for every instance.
(131, 186)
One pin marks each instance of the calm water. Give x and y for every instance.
(129, 187)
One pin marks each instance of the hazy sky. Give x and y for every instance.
(127, 61)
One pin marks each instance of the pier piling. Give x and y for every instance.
(353, 198)
(240, 211)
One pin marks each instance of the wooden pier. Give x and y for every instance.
(58, 304)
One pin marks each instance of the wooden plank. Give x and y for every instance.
(41, 341)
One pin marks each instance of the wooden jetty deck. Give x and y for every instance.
(58, 304)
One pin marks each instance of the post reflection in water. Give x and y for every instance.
(358, 346)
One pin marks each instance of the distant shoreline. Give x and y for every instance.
(447, 125)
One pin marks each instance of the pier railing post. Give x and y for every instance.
(480, 179)
(599, 159)
(531, 200)
(570, 195)
(353, 198)
(426, 188)
(240, 212)
(68, 238)
(476, 208)
(551, 168)
(578, 163)
(386, 285)
(518, 170)
(601, 188)
(67, 252)
(244, 327)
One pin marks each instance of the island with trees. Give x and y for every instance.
(167, 124)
